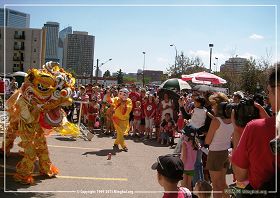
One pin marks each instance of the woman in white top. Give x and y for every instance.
(166, 107)
(218, 138)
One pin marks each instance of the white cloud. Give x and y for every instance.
(256, 37)
(248, 55)
(199, 53)
(162, 60)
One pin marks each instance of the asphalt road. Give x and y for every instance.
(86, 172)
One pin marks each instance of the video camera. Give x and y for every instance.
(245, 111)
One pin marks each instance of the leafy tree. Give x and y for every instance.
(249, 76)
(107, 74)
(251, 79)
(185, 65)
(120, 76)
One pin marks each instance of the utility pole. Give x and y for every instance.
(96, 74)
(144, 69)
(211, 46)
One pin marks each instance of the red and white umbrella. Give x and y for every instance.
(204, 78)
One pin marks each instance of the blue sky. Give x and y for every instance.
(124, 31)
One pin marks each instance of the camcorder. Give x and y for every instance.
(245, 111)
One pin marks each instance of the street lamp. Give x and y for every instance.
(216, 58)
(97, 68)
(144, 53)
(175, 54)
(211, 46)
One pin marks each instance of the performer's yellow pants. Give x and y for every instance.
(35, 146)
(122, 128)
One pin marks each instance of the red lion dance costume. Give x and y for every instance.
(122, 107)
(35, 110)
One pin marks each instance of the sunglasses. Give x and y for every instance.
(173, 155)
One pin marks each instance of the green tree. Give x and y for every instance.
(120, 76)
(233, 79)
(249, 78)
(185, 65)
(107, 74)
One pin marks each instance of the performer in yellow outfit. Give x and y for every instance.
(122, 107)
(34, 144)
(36, 90)
(35, 108)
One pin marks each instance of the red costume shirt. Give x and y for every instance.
(150, 109)
(137, 113)
(253, 151)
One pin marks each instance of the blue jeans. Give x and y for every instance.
(198, 167)
(164, 136)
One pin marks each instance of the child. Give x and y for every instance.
(169, 172)
(157, 118)
(168, 132)
(149, 111)
(197, 120)
(109, 122)
(203, 186)
(92, 113)
(165, 130)
(137, 111)
(188, 156)
(85, 99)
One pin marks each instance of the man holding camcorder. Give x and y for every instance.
(253, 159)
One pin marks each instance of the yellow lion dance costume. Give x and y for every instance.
(34, 110)
(122, 107)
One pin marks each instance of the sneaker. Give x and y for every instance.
(162, 142)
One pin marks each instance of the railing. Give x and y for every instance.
(17, 36)
(18, 47)
(16, 58)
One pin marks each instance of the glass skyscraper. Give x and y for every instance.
(62, 35)
(52, 29)
(14, 18)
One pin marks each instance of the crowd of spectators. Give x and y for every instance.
(208, 140)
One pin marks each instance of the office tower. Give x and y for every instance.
(14, 18)
(52, 29)
(62, 35)
(78, 53)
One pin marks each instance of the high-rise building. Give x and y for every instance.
(62, 35)
(235, 65)
(78, 53)
(23, 49)
(14, 18)
(52, 29)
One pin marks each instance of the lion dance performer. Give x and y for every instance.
(122, 107)
(33, 110)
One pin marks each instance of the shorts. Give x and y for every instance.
(142, 121)
(217, 160)
(149, 123)
(189, 172)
